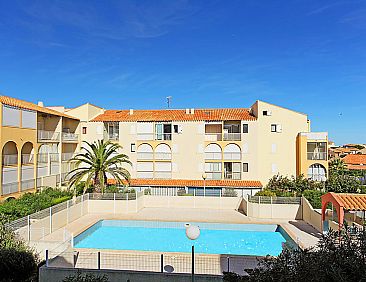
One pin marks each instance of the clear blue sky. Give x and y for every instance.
(307, 55)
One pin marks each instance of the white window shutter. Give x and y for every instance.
(279, 127)
(201, 128)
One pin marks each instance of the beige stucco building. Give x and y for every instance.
(241, 148)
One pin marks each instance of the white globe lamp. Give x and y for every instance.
(193, 232)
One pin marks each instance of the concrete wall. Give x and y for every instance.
(59, 274)
(274, 211)
(311, 216)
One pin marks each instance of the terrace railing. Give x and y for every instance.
(274, 200)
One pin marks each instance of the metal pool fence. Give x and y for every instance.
(152, 262)
(274, 200)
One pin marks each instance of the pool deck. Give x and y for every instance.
(301, 232)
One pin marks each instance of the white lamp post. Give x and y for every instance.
(204, 176)
(192, 233)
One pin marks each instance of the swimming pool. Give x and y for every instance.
(215, 238)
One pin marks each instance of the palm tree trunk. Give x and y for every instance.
(97, 184)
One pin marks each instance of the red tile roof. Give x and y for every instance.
(176, 115)
(192, 183)
(30, 106)
(355, 159)
(351, 202)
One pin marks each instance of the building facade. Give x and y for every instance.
(240, 148)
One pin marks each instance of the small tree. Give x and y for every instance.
(343, 183)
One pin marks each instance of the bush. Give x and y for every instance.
(181, 192)
(147, 191)
(314, 198)
(343, 183)
(80, 188)
(266, 193)
(88, 277)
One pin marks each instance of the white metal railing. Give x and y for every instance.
(54, 157)
(163, 156)
(113, 136)
(145, 136)
(145, 156)
(213, 136)
(232, 136)
(317, 177)
(232, 156)
(67, 136)
(163, 175)
(315, 135)
(42, 158)
(10, 159)
(274, 200)
(216, 175)
(232, 175)
(66, 156)
(213, 156)
(27, 158)
(48, 135)
(163, 136)
(27, 184)
(317, 156)
(9, 188)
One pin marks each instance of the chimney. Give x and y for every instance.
(192, 111)
(131, 112)
(40, 103)
(187, 111)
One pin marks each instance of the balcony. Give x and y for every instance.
(9, 188)
(42, 158)
(54, 157)
(232, 175)
(10, 160)
(145, 174)
(145, 136)
(44, 135)
(163, 136)
(113, 136)
(66, 156)
(232, 156)
(315, 135)
(27, 184)
(27, 159)
(322, 156)
(163, 156)
(213, 156)
(212, 137)
(215, 175)
(163, 174)
(145, 156)
(70, 137)
(232, 136)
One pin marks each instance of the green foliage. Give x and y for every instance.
(229, 192)
(314, 198)
(17, 260)
(80, 188)
(337, 166)
(181, 192)
(87, 277)
(360, 147)
(337, 257)
(32, 202)
(266, 193)
(343, 183)
(113, 189)
(147, 191)
(95, 162)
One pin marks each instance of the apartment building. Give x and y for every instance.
(240, 148)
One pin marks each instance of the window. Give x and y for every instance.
(133, 147)
(245, 128)
(84, 129)
(267, 113)
(176, 128)
(273, 127)
(245, 167)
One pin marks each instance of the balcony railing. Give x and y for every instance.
(317, 156)
(145, 156)
(213, 136)
(44, 135)
(163, 156)
(213, 175)
(27, 184)
(232, 175)
(9, 188)
(145, 136)
(27, 159)
(145, 174)
(163, 136)
(54, 157)
(10, 159)
(66, 136)
(232, 136)
(317, 177)
(66, 156)
(213, 156)
(163, 175)
(42, 158)
(113, 136)
(232, 156)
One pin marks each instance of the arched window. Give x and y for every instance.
(27, 153)
(213, 152)
(317, 172)
(232, 152)
(145, 152)
(10, 154)
(163, 152)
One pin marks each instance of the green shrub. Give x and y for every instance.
(314, 198)
(87, 277)
(60, 200)
(229, 192)
(147, 191)
(181, 192)
(265, 192)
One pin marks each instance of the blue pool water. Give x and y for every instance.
(234, 239)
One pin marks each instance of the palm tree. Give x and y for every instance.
(337, 166)
(95, 161)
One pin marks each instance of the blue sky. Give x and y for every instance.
(307, 55)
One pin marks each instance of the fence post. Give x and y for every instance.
(46, 258)
(50, 220)
(136, 200)
(126, 202)
(161, 263)
(228, 264)
(29, 232)
(114, 203)
(98, 260)
(72, 240)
